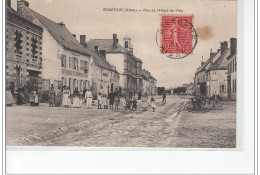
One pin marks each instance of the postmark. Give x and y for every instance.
(176, 36)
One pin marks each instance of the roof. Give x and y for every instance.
(60, 33)
(203, 67)
(107, 44)
(100, 60)
(146, 75)
(13, 12)
(221, 62)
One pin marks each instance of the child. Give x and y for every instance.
(104, 102)
(144, 103)
(153, 104)
(117, 101)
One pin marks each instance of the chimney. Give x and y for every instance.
(115, 41)
(83, 40)
(96, 49)
(74, 35)
(61, 24)
(211, 55)
(103, 53)
(223, 46)
(233, 46)
(8, 3)
(21, 5)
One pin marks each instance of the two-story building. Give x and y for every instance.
(149, 85)
(216, 74)
(64, 60)
(23, 49)
(128, 66)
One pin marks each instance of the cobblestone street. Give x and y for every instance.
(169, 126)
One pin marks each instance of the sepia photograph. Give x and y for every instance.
(149, 74)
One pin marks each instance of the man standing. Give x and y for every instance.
(84, 93)
(89, 97)
(164, 97)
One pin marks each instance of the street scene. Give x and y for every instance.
(114, 85)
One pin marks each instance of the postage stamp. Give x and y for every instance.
(177, 36)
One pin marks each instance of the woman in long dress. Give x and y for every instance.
(76, 103)
(9, 99)
(58, 97)
(52, 97)
(66, 97)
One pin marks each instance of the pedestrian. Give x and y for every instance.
(58, 97)
(33, 99)
(76, 94)
(104, 102)
(134, 104)
(144, 103)
(52, 96)
(99, 98)
(19, 99)
(153, 104)
(111, 98)
(66, 97)
(88, 97)
(164, 97)
(117, 101)
(84, 93)
(9, 99)
(26, 92)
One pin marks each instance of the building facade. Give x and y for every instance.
(232, 70)
(65, 61)
(23, 49)
(214, 76)
(128, 66)
(149, 85)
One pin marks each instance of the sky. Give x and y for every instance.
(214, 22)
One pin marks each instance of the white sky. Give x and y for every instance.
(87, 17)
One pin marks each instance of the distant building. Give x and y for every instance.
(129, 66)
(189, 88)
(23, 49)
(200, 80)
(149, 83)
(232, 70)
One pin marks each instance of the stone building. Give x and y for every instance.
(213, 77)
(216, 74)
(64, 59)
(149, 83)
(129, 66)
(23, 49)
(232, 70)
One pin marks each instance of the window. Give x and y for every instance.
(18, 42)
(235, 63)
(34, 46)
(70, 62)
(63, 60)
(126, 44)
(75, 64)
(222, 89)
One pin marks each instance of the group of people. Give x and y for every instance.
(20, 95)
(112, 100)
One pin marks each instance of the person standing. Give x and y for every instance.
(117, 101)
(89, 97)
(99, 98)
(51, 97)
(76, 103)
(19, 100)
(66, 97)
(153, 104)
(58, 98)
(84, 94)
(164, 97)
(9, 99)
(111, 100)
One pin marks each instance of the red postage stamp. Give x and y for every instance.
(176, 34)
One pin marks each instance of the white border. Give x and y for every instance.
(191, 161)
